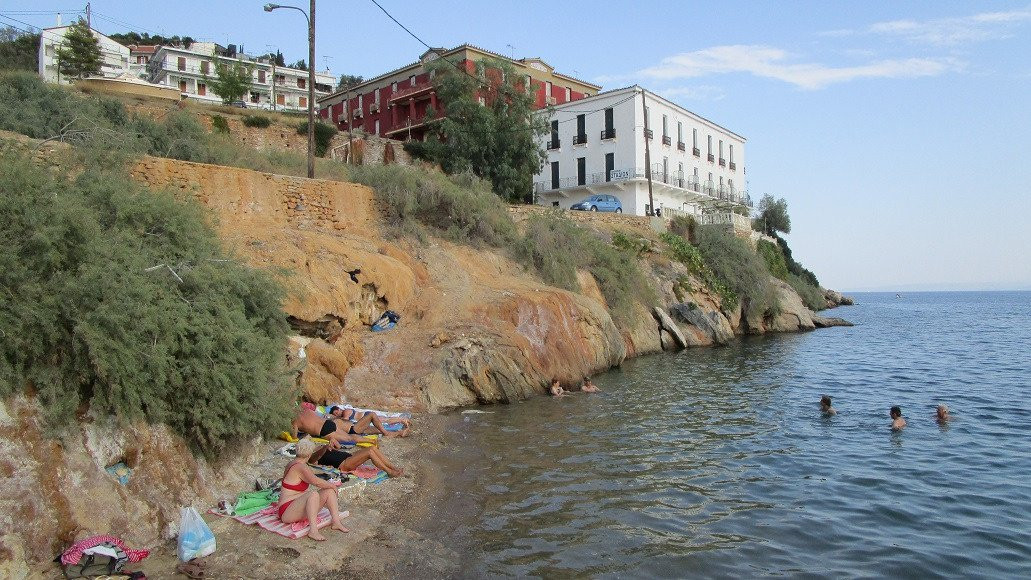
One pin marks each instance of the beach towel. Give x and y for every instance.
(248, 503)
(387, 414)
(268, 519)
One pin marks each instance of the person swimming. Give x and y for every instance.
(943, 414)
(897, 422)
(556, 389)
(589, 387)
(825, 406)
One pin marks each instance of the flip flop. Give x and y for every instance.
(192, 569)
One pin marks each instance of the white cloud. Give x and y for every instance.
(954, 31)
(696, 93)
(769, 62)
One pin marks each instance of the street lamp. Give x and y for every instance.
(310, 17)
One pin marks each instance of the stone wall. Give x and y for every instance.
(642, 224)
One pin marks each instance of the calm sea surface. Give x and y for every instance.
(717, 463)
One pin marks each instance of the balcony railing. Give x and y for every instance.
(711, 158)
(411, 91)
(666, 140)
(609, 133)
(723, 162)
(580, 139)
(733, 166)
(681, 146)
(696, 152)
(673, 178)
(728, 218)
(554, 144)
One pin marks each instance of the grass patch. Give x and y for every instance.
(682, 251)
(260, 121)
(91, 313)
(734, 262)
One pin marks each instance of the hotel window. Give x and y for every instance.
(377, 96)
(665, 126)
(721, 148)
(581, 171)
(302, 101)
(710, 146)
(360, 105)
(376, 129)
(554, 175)
(581, 129)
(547, 89)
(529, 84)
(393, 87)
(261, 76)
(680, 132)
(610, 165)
(680, 170)
(202, 89)
(694, 138)
(568, 94)
(301, 83)
(731, 152)
(182, 63)
(411, 80)
(204, 67)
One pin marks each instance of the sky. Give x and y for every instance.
(898, 132)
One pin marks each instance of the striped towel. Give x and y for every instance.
(268, 519)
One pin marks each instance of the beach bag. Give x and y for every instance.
(195, 537)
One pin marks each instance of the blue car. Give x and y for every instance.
(599, 203)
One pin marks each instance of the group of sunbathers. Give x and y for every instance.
(587, 386)
(304, 494)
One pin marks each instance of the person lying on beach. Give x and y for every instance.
(310, 422)
(357, 423)
(825, 406)
(588, 387)
(304, 495)
(556, 389)
(355, 416)
(897, 422)
(943, 414)
(344, 461)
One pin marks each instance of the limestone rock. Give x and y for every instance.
(667, 324)
(666, 340)
(829, 321)
(835, 298)
(711, 323)
(794, 315)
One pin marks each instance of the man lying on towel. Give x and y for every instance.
(357, 422)
(344, 461)
(310, 422)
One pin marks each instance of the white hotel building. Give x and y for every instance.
(114, 58)
(596, 145)
(272, 87)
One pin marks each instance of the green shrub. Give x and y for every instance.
(91, 312)
(811, 295)
(774, 259)
(323, 135)
(418, 201)
(635, 246)
(682, 251)
(260, 121)
(734, 262)
(219, 124)
(556, 248)
(793, 266)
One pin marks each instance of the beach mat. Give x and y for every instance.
(268, 519)
(389, 414)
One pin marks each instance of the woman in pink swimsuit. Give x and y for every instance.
(298, 502)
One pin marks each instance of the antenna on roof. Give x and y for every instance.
(511, 51)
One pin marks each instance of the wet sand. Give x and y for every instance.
(393, 524)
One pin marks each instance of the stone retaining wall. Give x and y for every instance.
(645, 225)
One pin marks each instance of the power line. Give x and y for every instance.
(125, 24)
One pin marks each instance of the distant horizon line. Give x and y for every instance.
(899, 290)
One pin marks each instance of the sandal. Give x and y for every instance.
(191, 569)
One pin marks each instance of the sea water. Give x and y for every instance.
(716, 462)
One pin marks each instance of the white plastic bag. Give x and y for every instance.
(195, 537)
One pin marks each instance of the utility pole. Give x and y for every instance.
(647, 158)
(89, 19)
(273, 90)
(311, 90)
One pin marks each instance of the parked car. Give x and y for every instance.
(599, 203)
(238, 104)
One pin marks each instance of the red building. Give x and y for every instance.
(394, 104)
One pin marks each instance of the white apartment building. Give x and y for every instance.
(272, 87)
(114, 63)
(597, 146)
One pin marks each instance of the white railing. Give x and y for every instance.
(726, 218)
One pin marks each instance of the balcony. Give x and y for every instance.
(723, 162)
(666, 140)
(609, 133)
(733, 166)
(681, 146)
(555, 143)
(418, 89)
(649, 134)
(688, 184)
(696, 152)
(374, 108)
(727, 218)
(712, 158)
(580, 139)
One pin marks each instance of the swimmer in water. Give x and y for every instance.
(556, 389)
(589, 387)
(943, 414)
(897, 422)
(825, 406)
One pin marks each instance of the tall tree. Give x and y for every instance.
(489, 127)
(18, 50)
(301, 64)
(79, 54)
(232, 78)
(348, 81)
(773, 216)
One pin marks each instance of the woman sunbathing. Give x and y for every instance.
(350, 461)
(298, 501)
